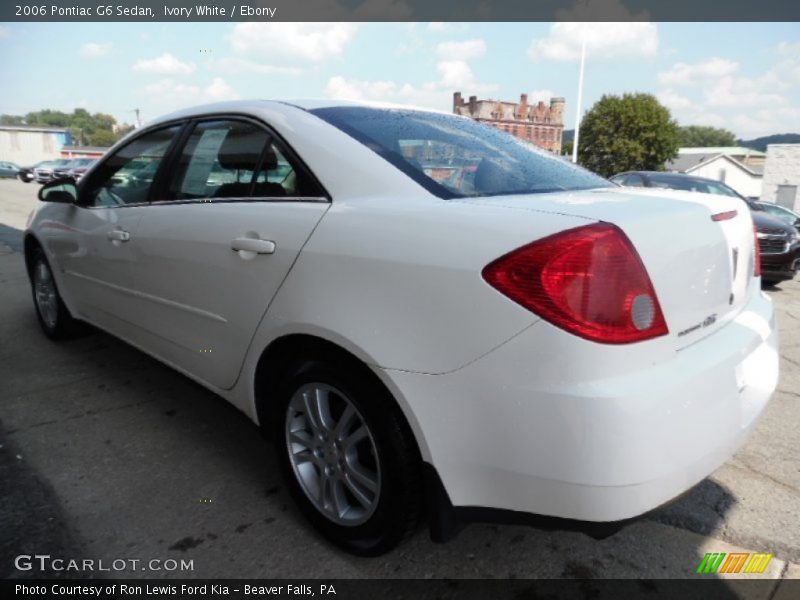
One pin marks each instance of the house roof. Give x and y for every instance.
(84, 148)
(690, 162)
(714, 150)
(27, 128)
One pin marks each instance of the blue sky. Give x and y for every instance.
(741, 76)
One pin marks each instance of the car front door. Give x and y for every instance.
(216, 243)
(93, 245)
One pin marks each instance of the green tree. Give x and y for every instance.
(98, 129)
(102, 137)
(632, 132)
(566, 148)
(12, 120)
(695, 136)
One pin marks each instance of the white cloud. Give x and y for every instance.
(235, 64)
(219, 90)
(169, 93)
(687, 74)
(166, 64)
(4, 32)
(673, 100)
(169, 89)
(788, 48)
(766, 121)
(461, 50)
(603, 41)
(343, 89)
(95, 50)
(740, 93)
(455, 73)
(705, 118)
(271, 43)
(751, 106)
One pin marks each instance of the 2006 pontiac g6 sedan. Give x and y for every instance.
(427, 315)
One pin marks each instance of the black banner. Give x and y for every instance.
(346, 589)
(399, 10)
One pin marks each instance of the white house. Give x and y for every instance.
(782, 175)
(28, 145)
(740, 168)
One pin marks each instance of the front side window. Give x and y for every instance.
(456, 157)
(634, 180)
(234, 159)
(127, 176)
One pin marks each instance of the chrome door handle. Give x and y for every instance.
(118, 235)
(245, 244)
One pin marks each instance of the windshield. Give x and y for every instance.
(456, 157)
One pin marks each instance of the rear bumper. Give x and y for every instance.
(554, 425)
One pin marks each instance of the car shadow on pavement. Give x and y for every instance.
(11, 237)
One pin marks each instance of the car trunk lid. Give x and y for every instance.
(701, 267)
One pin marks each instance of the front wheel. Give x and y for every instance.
(351, 462)
(53, 315)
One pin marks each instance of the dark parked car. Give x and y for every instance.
(77, 172)
(45, 172)
(27, 175)
(781, 212)
(67, 170)
(8, 169)
(778, 241)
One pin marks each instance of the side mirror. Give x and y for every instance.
(59, 190)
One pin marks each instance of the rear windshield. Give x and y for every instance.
(456, 157)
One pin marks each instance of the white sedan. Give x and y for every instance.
(421, 310)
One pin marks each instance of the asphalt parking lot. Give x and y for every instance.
(108, 454)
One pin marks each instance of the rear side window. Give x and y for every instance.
(456, 157)
(634, 180)
(235, 159)
(127, 176)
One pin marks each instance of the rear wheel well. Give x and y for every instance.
(289, 350)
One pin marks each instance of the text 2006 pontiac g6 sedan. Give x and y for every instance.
(426, 314)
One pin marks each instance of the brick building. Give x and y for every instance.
(541, 124)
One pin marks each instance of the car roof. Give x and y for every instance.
(285, 106)
(666, 175)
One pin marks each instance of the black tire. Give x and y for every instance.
(63, 326)
(399, 503)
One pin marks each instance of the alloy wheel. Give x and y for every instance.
(333, 454)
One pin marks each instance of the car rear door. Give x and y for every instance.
(215, 245)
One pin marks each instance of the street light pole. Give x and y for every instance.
(580, 100)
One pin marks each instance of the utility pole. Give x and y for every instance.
(580, 100)
(138, 120)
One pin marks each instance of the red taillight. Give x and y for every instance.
(724, 216)
(756, 254)
(589, 281)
